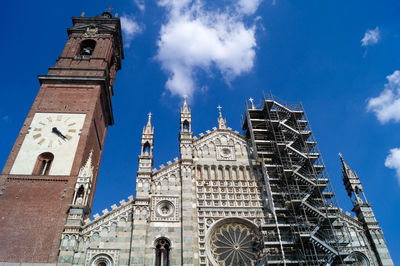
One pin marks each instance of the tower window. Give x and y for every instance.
(80, 196)
(163, 247)
(87, 48)
(146, 149)
(185, 126)
(43, 164)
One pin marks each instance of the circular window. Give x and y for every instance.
(358, 259)
(235, 243)
(165, 208)
(102, 260)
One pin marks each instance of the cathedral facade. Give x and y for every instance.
(257, 198)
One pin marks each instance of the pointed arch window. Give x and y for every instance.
(163, 247)
(185, 126)
(80, 195)
(43, 164)
(146, 149)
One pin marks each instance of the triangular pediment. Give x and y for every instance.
(221, 144)
(220, 137)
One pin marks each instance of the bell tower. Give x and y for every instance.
(61, 142)
(188, 200)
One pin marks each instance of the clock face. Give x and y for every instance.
(56, 133)
(54, 130)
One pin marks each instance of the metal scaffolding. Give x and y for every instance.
(302, 225)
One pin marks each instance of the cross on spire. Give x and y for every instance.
(221, 121)
(147, 129)
(110, 8)
(149, 120)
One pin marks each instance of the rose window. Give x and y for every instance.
(235, 244)
(165, 208)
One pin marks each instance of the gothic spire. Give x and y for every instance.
(185, 109)
(221, 121)
(346, 170)
(148, 129)
(352, 183)
(345, 167)
(87, 169)
(186, 117)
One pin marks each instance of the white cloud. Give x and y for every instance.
(387, 105)
(371, 37)
(130, 29)
(195, 39)
(140, 4)
(393, 161)
(248, 7)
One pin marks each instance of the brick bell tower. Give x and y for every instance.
(53, 165)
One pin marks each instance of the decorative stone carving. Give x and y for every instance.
(91, 32)
(164, 208)
(108, 256)
(225, 153)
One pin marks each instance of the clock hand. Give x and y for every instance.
(58, 133)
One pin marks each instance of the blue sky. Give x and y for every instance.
(224, 53)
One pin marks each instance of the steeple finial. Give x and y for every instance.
(221, 121)
(346, 168)
(252, 103)
(148, 128)
(185, 108)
